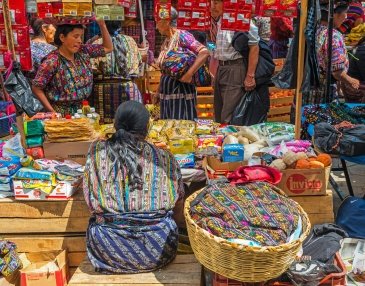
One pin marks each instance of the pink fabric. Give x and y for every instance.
(248, 174)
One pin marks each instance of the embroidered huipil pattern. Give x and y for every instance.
(63, 80)
(107, 190)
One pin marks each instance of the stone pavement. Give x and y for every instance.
(357, 176)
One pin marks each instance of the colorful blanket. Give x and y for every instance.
(253, 213)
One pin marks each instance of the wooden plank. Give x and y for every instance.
(75, 258)
(43, 209)
(281, 100)
(204, 90)
(42, 225)
(279, 110)
(285, 118)
(33, 243)
(184, 270)
(210, 110)
(120, 283)
(316, 204)
(319, 219)
(205, 99)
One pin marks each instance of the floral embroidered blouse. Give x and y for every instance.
(63, 80)
(340, 59)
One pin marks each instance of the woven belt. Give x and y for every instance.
(231, 62)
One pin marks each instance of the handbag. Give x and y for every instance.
(351, 217)
(19, 90)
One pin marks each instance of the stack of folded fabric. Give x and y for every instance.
(8, 167)
(69, 130)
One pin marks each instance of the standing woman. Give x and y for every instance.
(339, 60)
(178, 96)
(41, 43)
(65, 78)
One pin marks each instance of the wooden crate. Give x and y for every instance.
(280, 108)
(47, 225)
(153, 81)
(184, 270)
(70, 216)
(205, 102)
(318, 208)
(279, 63)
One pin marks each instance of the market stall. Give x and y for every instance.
(42, 205)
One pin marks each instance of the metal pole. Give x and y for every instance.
(329, 55)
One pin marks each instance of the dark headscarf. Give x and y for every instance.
(127, 144)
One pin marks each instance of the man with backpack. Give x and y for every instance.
(236, 74)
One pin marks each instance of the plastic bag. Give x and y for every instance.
(13, 147)
(251, 110)
(19, 89)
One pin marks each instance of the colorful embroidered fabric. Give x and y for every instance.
(63, 80)
(132, 243)
(106, 192)
(125, 60)
(253, 212)
(39, 52)
(339, 59)
(131, 230)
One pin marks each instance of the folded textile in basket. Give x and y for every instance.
(253, 212)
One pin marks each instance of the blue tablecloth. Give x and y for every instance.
(354, 159)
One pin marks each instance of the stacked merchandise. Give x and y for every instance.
(8, 167)
(109, 10)
(47, 9)
(278, 8)
(34, 133)
(70, 130)
(21, 36)
(193, 15)
(46, 179)
(236, 15)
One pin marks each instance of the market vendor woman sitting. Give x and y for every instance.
(65, 76)
(135, 194)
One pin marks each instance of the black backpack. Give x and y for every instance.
(265, 66)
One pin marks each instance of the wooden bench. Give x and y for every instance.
(184, 270)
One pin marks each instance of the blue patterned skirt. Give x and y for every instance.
(131, 242)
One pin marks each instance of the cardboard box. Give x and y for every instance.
(62, 191)
(13, 280)
(216, 170)
(32, 275)
(75, 151)
(311, 182)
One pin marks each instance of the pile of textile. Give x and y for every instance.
(253, 214)
(332, 114)
(69, 130)
(45, 176)
(8, 167)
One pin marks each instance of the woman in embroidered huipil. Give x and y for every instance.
(339, 60)
(178, 96)
(133, 191)
(65, 76)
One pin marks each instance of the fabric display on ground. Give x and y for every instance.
(108, 95)
(8, 167)
(333, 114)
(69, 130)
(253, 214)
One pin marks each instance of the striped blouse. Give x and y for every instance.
(107, 192)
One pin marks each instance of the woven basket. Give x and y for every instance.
(238, 262)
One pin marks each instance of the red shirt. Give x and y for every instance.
(281, 28)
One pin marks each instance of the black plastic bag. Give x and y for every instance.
(252, 109)
(19, 90)
(287, 77)
(347, 141)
